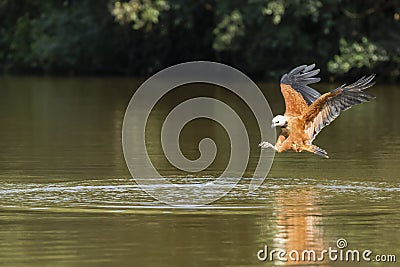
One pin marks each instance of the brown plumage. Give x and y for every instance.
(308, 112)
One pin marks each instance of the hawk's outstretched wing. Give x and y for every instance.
(328, 107)
(298, 96)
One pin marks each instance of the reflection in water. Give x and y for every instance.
(298, 220)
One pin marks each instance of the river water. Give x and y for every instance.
(68, 199)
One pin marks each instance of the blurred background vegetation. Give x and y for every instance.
(260, 37)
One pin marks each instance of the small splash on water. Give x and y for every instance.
(123, 195)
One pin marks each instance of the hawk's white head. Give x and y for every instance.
(279, 120)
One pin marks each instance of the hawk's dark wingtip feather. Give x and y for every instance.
(353, 94)
(302, 75)
(361, 84)
(299, 77)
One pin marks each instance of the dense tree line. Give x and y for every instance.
(138, 37)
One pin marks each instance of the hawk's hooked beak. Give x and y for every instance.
(272, 126)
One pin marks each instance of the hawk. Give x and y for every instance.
(308, 112)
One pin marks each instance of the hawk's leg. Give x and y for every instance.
(266, 145)
(280, 145)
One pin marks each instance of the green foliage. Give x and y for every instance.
(357, 54)
(264, 38)
(139, 13)
(276, 9)
(227, 30)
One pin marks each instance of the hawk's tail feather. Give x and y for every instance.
(320, 152)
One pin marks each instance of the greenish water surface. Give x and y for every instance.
(67, 198)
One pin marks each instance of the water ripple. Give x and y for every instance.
(123, 195)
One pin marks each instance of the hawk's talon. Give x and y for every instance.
(265, 145)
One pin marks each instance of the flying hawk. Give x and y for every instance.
(307, 111)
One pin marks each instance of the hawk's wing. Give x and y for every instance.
(328, 107)
(298, 96)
